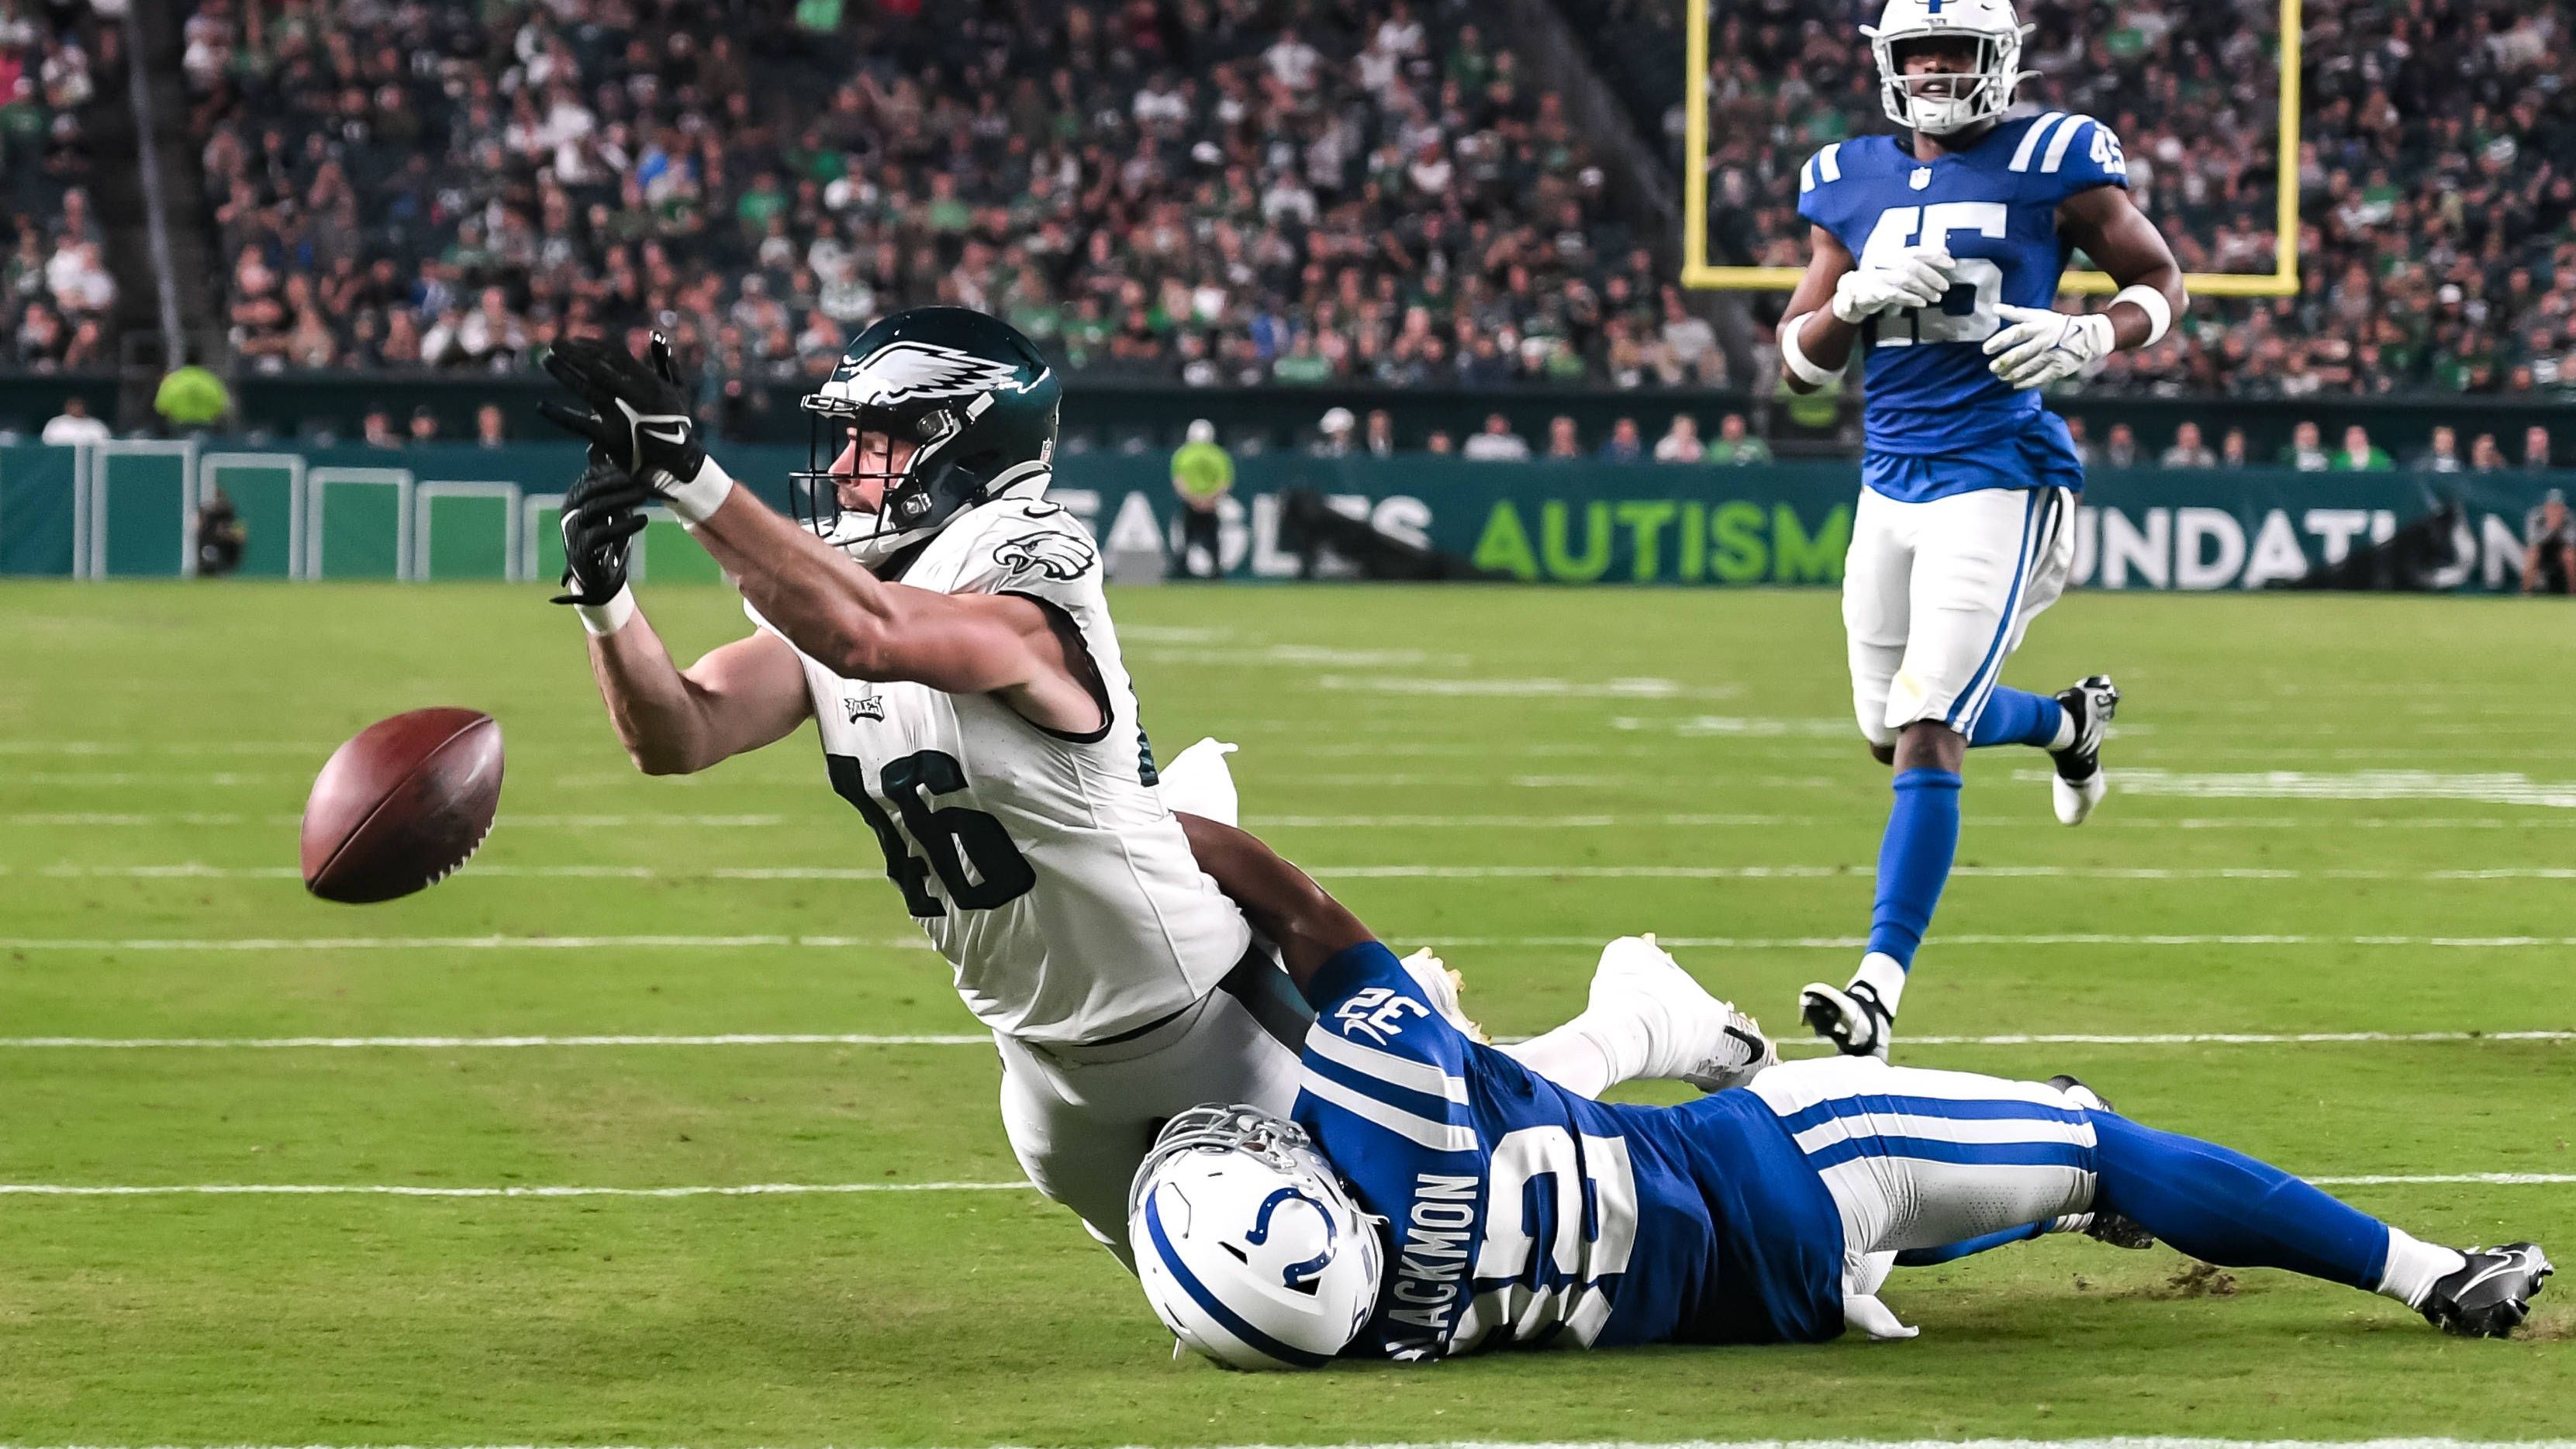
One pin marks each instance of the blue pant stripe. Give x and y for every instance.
(2003, 629)
(1969, 1154)
(1981, 1109)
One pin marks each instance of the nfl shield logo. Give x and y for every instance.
(1921, 178)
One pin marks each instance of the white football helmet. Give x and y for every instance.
(1982, 93)
(1250, 1249)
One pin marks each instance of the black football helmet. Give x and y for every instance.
(968, 390)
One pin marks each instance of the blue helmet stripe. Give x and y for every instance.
(1232, 1321)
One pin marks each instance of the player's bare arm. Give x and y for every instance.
(1282, 902)
(745, 695)
(836, 612)
(2107, 225)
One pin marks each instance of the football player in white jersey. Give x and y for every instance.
(944, 625)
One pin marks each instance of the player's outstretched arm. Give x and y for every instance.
(856, 625)
(1281, 901)
(741, 697)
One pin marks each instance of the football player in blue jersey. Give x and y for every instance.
(1936, 257)
(1434, 1197)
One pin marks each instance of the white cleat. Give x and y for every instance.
(2081, 781)
(1441, 985)
(1697, 1038)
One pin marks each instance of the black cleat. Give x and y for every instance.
(2119, 1230)
(1852, 1018)
(2490, 1295)
(2080, 783)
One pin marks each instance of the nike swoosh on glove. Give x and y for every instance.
(2040, 346)
(1908, 277)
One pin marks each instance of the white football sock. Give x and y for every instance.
(1881, 974)
(2065, 735)
(1588, 1055)
(2415, 1266)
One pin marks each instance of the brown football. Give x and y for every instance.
(402, 805)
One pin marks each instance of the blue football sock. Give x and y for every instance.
(2017, 717)
(1914, 861)
(2224, 1207)
(1969, 1247)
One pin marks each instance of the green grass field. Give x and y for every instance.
(1516, 775)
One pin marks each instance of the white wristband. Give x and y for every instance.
(1794, 357)
(602, 620)
(695, 500)
(2152, 302)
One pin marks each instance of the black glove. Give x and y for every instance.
(637, 417)
(602, 513)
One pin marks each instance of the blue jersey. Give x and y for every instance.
(1521, 1213)
(1937, 420)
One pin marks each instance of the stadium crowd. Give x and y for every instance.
(1217, 191)
(2437, 170)
(60, 292)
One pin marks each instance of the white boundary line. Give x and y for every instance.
(498, 942)
(978, 1039)
(838, 1189)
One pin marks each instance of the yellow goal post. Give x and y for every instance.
(2281, 281)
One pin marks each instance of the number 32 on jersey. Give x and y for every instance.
(1978, 281)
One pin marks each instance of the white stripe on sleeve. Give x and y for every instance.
(1406, 1072)
(1828, 165)
(2030, 139)
(2065, 138)
(1438, 1136)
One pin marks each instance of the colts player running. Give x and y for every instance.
(1435, 1197)
(1937, 254)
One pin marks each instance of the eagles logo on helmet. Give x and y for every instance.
(971, 394)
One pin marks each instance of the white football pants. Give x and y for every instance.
(1920, 1159)
(1937, 595)
(1080, 1118)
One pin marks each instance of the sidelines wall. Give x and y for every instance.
(460, 512)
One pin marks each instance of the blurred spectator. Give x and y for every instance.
(1333, 435)
(2304, 451)
(1561, 440)
(2359, 454)
(1213, 191)
(220, 536)
(74, 425)
(1735, 446)
(1690, 344)
(2444, 454)
(377, 431)
(2485, 456)
(491, 429)
(2188, 451)
(424, 425)
(1381, 433)
(2121, 450)
(2549, 547)
(1625, 444)
(2535, 447)
(1495, 443)
(1202, 476)
(2231, 449)
(1680, 442)
(1438, 442)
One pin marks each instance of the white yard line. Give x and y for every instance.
(1424, 821)
(817, 1189)
(984, 1039)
